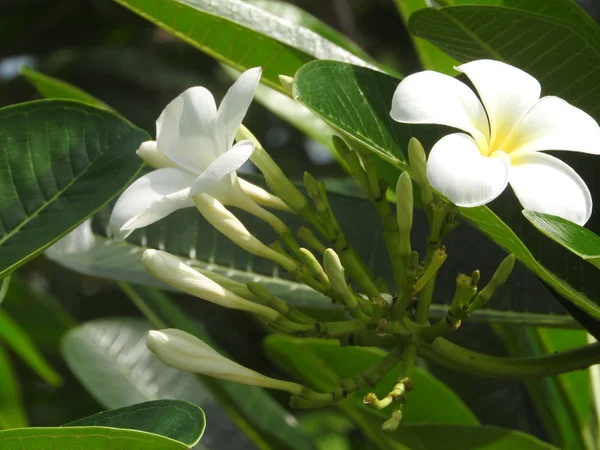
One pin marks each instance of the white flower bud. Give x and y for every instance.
(173, 272)
(148, 151)
(335, 271)
(224, 221)
(183, 351)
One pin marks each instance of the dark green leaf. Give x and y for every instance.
(12, 410)
(323, 364)
(60, 161)
(241, 35)
(175, 419)
(358, 105)
(581, 241)
(85, 438)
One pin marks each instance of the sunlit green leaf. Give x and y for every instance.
(581, 241)
(242, 35)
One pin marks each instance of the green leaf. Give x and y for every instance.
(241, 35)
(12, 410)
(358, 106)
(50, 87)
(85, 438)
(564, 403)
(463, 437)
(579, 240)
(60, 161)
(175, 419)
(18, 341)
(431, 57)
(444, 437)
(301, 18)
(274, 427)
(540, 34)
(323, 364)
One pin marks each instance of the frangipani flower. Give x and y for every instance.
(195, 154)
(505, 137)
(183, 351)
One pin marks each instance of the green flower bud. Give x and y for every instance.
(404, 211)
(418, 164)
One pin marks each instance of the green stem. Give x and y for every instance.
(391, 236)
(455, 357)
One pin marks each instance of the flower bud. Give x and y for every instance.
(335, 271)
(148, 151)
(499, 278)
(287, 83)
(313, 265)
(183, 351)
(173, 272)
(418, 165)
(224, 221)
(404, 202)
(404, 211)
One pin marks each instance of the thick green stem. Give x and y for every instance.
(391, 237)
(445, 353)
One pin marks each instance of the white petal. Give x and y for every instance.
(235, 104)
(225, 164)
(458, 171)
(430, 97)
(546, 184)
(185, 130)
(506, 92)
(150, 198)
(554, 124)
(152, 156)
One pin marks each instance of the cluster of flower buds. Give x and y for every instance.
(187, 174)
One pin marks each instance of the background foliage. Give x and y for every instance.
(71, 343)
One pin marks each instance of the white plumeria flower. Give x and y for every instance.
(183, 351)
(506, 135)
(195, 152)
